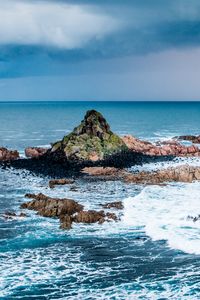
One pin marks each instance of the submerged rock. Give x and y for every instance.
(92, 140)
(64, 181)
(51, 207)
(35, 152)
(8, 155)
(117, 205)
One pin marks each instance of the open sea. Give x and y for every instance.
(152, 253)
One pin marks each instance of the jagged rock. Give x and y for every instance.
(191, 138)
(184, 173)
(51, 207)
(170, 148)
(90, 216)
(35, 152)
(194, 219)
(117, 205)
(7, 155)
(66, 222)
(54, 182)
(92, 140)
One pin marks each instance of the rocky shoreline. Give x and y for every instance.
(92, 150)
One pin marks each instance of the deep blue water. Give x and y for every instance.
(152, 253)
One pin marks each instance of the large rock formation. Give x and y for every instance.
(7, 155)
(92, 140)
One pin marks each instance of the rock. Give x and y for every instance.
(51, 207)
(13, 215)
(117, 205)
(167, 148)
(8, 155)
(54, 182)
(194, 219)
(92, 140)
(101, 171)
(90, 216)
(35, 152)
(184, 173)
(66, 222)
(195, 139)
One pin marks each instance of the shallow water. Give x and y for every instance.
(152, 253)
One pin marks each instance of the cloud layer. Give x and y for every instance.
(52, 24)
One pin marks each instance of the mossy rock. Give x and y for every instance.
(91, 140)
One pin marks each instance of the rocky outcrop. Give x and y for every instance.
(195, 139)
(35, 152)
(8, 155)
(51, 207)
(92, 140)
(67, 210)
(184, 173)
(64, 181)
(167, 148)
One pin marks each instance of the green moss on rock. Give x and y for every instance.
(91, 140)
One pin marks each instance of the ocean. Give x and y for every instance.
(153, 252)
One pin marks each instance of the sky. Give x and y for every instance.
(99, 50)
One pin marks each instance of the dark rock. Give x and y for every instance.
(191, 138)
(8, 155)
(54, 182)
(117, 205)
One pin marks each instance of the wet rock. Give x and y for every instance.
(51, 207)
(35, 152)
(54, 182)
(8, 155)
(66, 222)
(184, 173)
(90, 216)
(111, 216)
(92, 140)
(117, 205)
(191, 138)
(167, 148)
(12, 215)
(194, 219)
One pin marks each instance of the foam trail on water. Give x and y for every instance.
(164, 211)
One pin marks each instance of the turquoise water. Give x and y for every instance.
(152, 253)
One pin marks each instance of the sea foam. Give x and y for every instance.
(164, 211)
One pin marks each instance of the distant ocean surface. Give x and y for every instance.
(152, 253)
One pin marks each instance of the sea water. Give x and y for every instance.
(152, 253)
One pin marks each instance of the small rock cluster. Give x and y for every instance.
(7, 155)
(67, 210)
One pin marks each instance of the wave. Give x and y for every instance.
(164, 211)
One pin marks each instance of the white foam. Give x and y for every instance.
(164, 211)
